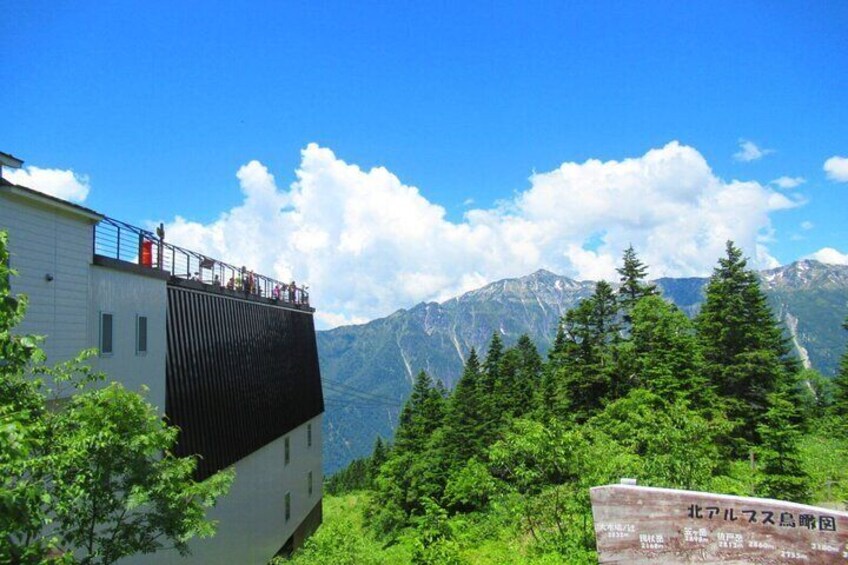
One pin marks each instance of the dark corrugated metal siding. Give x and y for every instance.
(240, 374)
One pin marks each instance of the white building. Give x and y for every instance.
(236, 368)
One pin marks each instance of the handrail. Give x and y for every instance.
(122, 241)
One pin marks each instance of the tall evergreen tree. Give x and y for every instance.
(421, 415)
(558, 347)
(492, 365)
(529, 374)
(378, 457)
(668, 358)
(545, 399)
(633, 287)
(488, 385)
(584, 379)
(746, 356)
(840, 383)
(780, 461)
(465, 424)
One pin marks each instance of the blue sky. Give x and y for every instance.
(158, 105)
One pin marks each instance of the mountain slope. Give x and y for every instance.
(383, 356)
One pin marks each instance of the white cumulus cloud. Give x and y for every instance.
(837, 168)
(368, 244)
(64, 184)
(789, 182)
(829, 255)
(749, 151)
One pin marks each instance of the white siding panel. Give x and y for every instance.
(127, 295)
(46, 241)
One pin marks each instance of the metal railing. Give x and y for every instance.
(118, 240)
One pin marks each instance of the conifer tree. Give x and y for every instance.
(464, 419)
(558, 347)
(546, 395)
(421, 415)
(492, 364)
(529, 375)
(668, 359)
(780, 460)
(746, 356)
(488, 384)
(840, 383)
(633, 273)
(585, 377)
(505, 399)
(378, 457)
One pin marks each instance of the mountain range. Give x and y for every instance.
(367, 369)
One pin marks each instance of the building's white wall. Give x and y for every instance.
(251, 517)
(46, 240)
(126, 295)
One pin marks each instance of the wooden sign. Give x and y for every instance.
(636, 524)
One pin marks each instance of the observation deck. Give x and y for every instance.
(118, 244)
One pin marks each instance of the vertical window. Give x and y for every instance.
(287, 450)
(288, 506)
(309, 483)
(308, 435)
(105, 333)
(140, 335)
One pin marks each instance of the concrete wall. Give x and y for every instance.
(251, 518)
(45, 239)
(127, 295)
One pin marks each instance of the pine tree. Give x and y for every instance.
(505, 399)
(840, 383)
(591, 329)
(492, 364)
(465, 425)
(489, 385)
(529, 375)
(668, 359)
(746, 356)
(421, 415)
(378, 457)
(780, 461)
(633, 273)
(546, 394)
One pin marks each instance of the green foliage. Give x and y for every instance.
(840, 385)
(434, 543)
(633, 288)
(91, 480)
(677, 446)
(470, 488)
(586, 374)
(783, 474)
(815, 396)
(631, 388)
(824, 456)
(464, 435)
(666, 356)
(341, 539)
(746, 356)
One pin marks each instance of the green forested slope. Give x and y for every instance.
(382, 356)
(498, 470)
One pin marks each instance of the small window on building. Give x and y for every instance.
(308, 435)
(309, 483)
(141, 335)
(288, 506)
(287, 450)
(105, 333)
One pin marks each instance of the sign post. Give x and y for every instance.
(636, 525)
